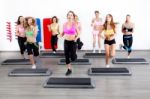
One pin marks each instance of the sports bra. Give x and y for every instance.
(97, 23)
(109, 32)
(70, 31)
(29, 33)
(128, 29)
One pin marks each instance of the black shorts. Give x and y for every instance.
(32, 49)
(110, 42)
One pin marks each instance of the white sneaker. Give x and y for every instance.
(99, 51)
(94, 51)
(128, 57)
(107, 66)
(120, 46)
(33, 66)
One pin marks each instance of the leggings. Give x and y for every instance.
(21, 42)
(70, 51)
(127, 40)
(54, 40)
(32, 49)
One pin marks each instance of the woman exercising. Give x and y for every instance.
(71, 34)
(97, 29)
(20, 32)
(31, 34)
(79, 42)
(109, 29)
(54, 28)
(127, 30)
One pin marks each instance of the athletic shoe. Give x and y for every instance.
(94, 51)
(99, 51)
(128, 57)
(69, 71)
(107, 66)
(120, 46)
(33, 66)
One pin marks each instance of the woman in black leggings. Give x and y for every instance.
(71, 34)
(20, 32)
(54, 28)
(127, 30)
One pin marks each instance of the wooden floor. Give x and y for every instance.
(136, 86)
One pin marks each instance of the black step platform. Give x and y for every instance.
(68, 83)
(76, 62)
(129, 61)
(52, 55)
(30, 72)
(122, 71)
(16, 62)
(94, 55)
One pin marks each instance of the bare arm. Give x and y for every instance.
(17, 31)
(61, 33)
(78, 33)
(101, 33)
(133, 28)
(35, 31)
(92, 22)
(58, 30)
(49, 28)
(122, 29)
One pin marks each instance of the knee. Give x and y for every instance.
(67, 61)
(112, 55)
(73, 58)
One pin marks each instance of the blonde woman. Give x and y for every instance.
(109, 29)
(31, 34)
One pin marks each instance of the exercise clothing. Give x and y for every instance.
(71, 30)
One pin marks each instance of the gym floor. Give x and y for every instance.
(136, 86)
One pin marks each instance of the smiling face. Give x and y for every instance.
(30, 22)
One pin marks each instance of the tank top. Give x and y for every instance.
(21, 31)
(109, 32)
(70, 31)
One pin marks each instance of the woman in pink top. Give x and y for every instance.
(97, 29)
(20, 32)
(71, 34)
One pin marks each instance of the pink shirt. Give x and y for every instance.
(21, 31)
(70, 31)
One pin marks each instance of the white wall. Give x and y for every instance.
(138, 9)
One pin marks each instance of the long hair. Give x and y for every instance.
(72, 13)
(26, 22)
(112, 24)
(18, 21)
(54, 17)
